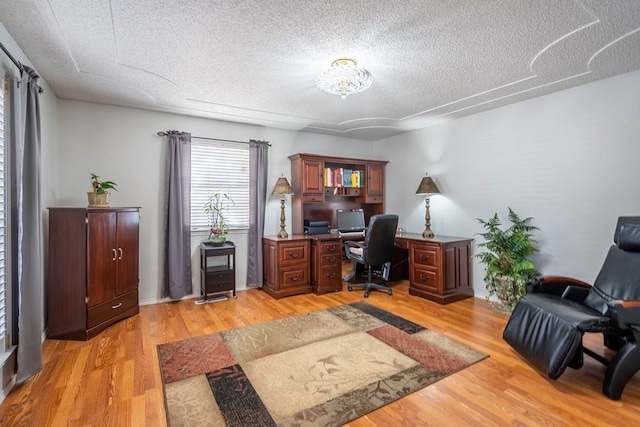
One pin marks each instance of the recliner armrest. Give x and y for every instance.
(575, 293)
(626, 313)
(555, 285)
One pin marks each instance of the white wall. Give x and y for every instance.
(121, 144)
(569, 159)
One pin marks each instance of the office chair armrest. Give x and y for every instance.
(359, 247)
(350, 243)
(626, 313)
(556, 285)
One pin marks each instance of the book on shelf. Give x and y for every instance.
(337, 181)
(343, 177)
(355, 179)
(346, 177)
(328, 177)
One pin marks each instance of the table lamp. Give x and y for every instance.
(427, 186)
(282, 187)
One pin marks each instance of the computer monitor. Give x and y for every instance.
(350, 220)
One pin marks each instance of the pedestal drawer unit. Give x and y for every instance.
(326, 275)
(439, 267)
(286, 266)
(93, 269)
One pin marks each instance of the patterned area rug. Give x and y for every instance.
(324, 368)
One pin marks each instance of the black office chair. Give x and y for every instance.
(376, 250)
(547, 324)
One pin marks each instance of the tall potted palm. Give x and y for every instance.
(507, 258)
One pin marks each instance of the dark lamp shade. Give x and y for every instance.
(282, 187)
(427, 186)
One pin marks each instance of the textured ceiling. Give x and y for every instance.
(256, 61)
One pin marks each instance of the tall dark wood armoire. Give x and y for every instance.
(93, 269)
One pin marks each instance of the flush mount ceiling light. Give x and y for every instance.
(344, 78)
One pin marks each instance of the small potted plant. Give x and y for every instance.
(216, 209)
(99, 196)
(506, 259)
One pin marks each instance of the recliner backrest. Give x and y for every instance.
(380, 239)
(619, 277)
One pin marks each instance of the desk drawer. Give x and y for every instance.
(293, 253)
(424, 279)
(333, 247)
(425, 255)
(294, 276)
(330, 274)
(331, 259)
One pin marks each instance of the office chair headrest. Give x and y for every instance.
(627, 235)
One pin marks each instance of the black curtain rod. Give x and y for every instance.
(162, 133)
(18, 64)
(14, 60)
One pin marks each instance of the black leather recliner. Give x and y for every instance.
(376, 250)
(547, 324)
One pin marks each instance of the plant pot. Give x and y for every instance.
(217, 240)
(98, 200)
(506, 290)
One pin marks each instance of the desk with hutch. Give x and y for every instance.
(437, 268)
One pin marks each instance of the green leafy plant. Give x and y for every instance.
(216, 208)
(506, 258)
(101, 187)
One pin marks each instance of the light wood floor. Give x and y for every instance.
(114, 380)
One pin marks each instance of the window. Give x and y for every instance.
(218, 167)
(4, 344)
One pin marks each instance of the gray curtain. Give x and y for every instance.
(177, 244)
(258, 151)
(29, 250)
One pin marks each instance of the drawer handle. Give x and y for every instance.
(424, 258)
(331, 275)
(332, 259)
(331, 248)
(294, 254)
(424, 278)
(294, 278)
(116, 306)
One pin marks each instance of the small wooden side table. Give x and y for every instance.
(217, 279)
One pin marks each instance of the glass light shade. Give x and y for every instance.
(344, 78)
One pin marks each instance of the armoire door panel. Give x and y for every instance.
(102, 256)
(127, 252)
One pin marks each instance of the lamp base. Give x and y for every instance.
(428, 233)
(282, 233)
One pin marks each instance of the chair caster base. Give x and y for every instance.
(350, 288)
(366, 294)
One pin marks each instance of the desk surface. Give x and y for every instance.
(399, 237)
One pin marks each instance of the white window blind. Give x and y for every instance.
(3, 204)
(219, 167)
